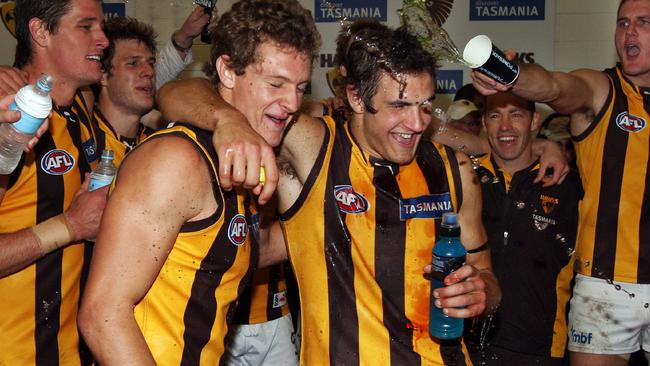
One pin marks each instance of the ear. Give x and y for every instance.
(536, 122)
(38, 32)
(354, 99)
(103, 82)
(226, 73)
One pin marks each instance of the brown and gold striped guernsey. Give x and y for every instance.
(39, 303)
(359, 264)
(185, 314)
(266, 297)
(107, 138)
(614, 231)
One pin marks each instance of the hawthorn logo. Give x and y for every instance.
(548, 203)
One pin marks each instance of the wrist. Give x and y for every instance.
(181, 43)
(53, 233)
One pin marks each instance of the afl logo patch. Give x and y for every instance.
(57, 162)
(350, 201)
(238, 229)
(629, 122)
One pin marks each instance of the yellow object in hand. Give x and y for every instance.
(262, 175)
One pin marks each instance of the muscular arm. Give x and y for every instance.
(143, 217)
(473, 286)
(240, 149)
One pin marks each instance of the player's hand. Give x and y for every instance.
(464, 294)
(192, 27)
(85, 212)
(241, 153)
(11, 80)
(553, 166)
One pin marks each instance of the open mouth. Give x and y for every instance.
(96, 58)
(404, 138)
(632, 50)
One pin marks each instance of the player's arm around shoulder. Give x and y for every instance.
(473, 234)
(161, 185)
(302, 143)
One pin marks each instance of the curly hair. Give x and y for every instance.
(366, 49)
(240, 31)
(126, 28)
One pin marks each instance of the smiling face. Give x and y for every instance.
(394, 131)
(130, 85)
(508, 122)
(75, 49)
(271, 89)
(632, 40)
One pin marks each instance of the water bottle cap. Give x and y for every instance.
(450, 219)
(45, 83)
(107, 154)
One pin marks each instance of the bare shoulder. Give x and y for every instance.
(166, 170)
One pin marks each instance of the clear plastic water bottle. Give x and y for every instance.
(34, 103)
(448, 255)
(104, 173)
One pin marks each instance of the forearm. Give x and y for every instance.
(194, 101)
(492, 291)
(170, 63)
(26, 246)
(113, 336)
(460, 140)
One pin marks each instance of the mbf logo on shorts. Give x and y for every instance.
(629, 122)
(350, 201)
(238, 229)
(57, 162)
(580, 337)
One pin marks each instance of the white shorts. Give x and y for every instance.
(270, 343)
(609, 318)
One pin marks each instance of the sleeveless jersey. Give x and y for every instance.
(614, 230)
(107, 138)
(358, 236)
(266, 297)
(185, 314)
(39, 303)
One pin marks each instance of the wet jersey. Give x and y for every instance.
(107, 138)
(358, 236)
(614, 232)
(266, 297)
(185, 314)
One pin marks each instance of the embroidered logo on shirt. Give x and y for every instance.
(238, 229)
(57, 162)
(279, 299)
(350, 201)
(548, 203)
(541, 222)
(629, 122)
(430, 206)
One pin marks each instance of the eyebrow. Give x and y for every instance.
(401, 103)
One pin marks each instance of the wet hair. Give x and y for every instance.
(49, 11)
(126, 28)
(239, 32)
(366, 49)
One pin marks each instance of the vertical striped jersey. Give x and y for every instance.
(614, 230)
(107, 138)
(358, 236)
(185, 314)
(265, 299)
(39, 303)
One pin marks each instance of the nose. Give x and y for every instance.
(148, 70)
(505, 123)
(101, 41)
(291, 100)
(416, 120)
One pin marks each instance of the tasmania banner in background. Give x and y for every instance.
(527, 26)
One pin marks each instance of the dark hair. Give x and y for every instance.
(49, 11)
(366, 48)
(126, 28)
(249, 23)
(530, 105)
(467, 91)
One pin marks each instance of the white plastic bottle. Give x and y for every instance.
(104, 173)
(34, 103)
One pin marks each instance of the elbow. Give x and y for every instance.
(91, 318)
